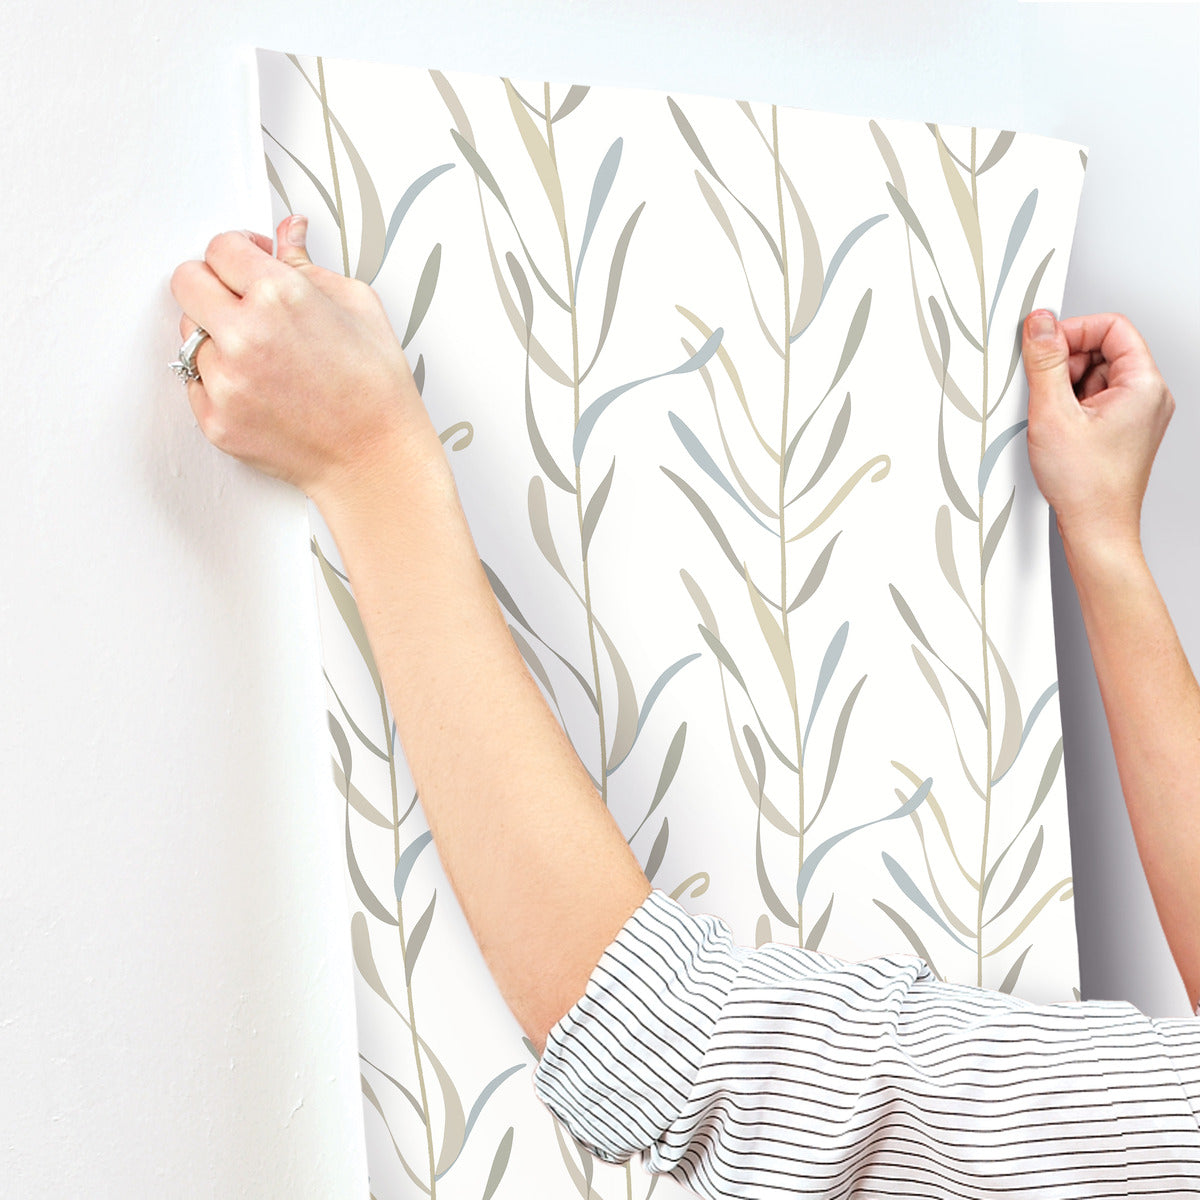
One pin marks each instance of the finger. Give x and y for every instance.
(1047, 359)
(238, 261)
(201, 295)
(1080, 363)
(198, 397)
(1112, 335)
(186, 328)
(1096, 380)
(289, 238)
(261, 240)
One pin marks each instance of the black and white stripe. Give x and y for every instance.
(780, 1071)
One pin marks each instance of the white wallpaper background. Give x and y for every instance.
(733, 398)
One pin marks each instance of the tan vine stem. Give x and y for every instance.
(337, 187)
(391, 758)
(587, 589)
(987, 804)
(412, 1013)
(783, 441)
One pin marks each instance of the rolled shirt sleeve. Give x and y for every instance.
(781, 1071)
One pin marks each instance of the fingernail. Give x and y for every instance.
(1041, 323)
(297, 230)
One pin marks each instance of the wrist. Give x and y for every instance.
(1101, 557)
(401, 469)
(1088, 541)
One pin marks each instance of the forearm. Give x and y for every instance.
(542, 872)
(1152, 702)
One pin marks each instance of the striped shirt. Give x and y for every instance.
(784, 1072)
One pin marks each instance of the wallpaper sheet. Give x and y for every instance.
(733, 397)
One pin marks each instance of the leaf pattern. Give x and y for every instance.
(824, 342)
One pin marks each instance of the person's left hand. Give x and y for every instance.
(302, 375)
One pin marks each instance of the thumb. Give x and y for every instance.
(1047, 359)
(289, 238)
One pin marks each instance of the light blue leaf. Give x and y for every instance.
(840, 253)
(651, 696)
(660, 683)
(1016, 236)
(813, 860)
(482, 1099)
(590, 415)
(693, 445)
(407, 861)
(910, 890)
(414, 190)
(828, 665)
(1042, 701)
(992, 453)
(600, 190)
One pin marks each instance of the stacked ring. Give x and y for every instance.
(185, 365)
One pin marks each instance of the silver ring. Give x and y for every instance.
(185, 365)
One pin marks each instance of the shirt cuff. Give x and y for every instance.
(619, 1065)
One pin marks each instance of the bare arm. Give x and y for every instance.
(1098, 409)
(1152, 702)
(303, 378)
(543, 873)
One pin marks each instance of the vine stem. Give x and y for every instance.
(783, 441)
(337, 187)
(587, 586)
(987, 691)
(412, 1011)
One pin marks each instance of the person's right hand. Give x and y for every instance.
(1098, 409)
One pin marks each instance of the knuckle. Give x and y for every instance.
(214, 427)
(262, 291)
(1042, 355)
(277, 291)
(216, 244)
(234, 344)
(180, 277)
(291, 288)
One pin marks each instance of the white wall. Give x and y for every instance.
(175, 1001)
